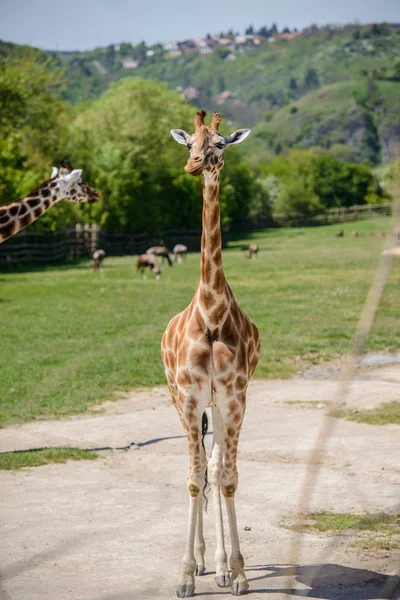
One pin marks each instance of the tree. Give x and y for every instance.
(249, 30)
(311, 79)
(34, 122)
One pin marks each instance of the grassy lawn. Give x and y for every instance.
(71, 337)
(383, 414)
(377, 531)
(36, 458)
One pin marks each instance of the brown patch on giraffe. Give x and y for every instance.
(196, 325)
(232, 407)
(207, 298)
(218, 312)
(182, 352)
(219, 281)
(206, 269)
(222, 357)
(229, 333)
(215, 240)
(24, 221)
(228, 491)
(217, 258)
(193, 490)
(242, 399)
(38, 211)
(7, 230)
(214, 219)
(46, 193)
(201, 358)
(241, 382)
(32, 202)
(183, 378)
(22, 210)
(13, 210)
(237, 418)
(230, 431)
(4, 219)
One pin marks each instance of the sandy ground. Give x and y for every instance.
(114, 528)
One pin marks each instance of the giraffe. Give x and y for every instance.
(64, 183)
(210, 351)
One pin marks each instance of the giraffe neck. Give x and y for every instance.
(212, 279)
(16, 216)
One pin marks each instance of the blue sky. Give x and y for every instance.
(85, 24)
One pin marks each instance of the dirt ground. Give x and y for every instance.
(114, 528)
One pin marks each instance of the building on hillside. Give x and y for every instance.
(129, 63)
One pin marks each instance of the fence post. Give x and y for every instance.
(94, 238)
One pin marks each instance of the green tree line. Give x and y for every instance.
(122, 142)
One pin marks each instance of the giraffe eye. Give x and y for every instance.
(220, 146)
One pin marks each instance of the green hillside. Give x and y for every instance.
(326, 86)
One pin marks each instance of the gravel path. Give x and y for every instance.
(114, 528)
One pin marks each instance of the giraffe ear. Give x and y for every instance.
(54, 173)
(73, 176)
(237, 136)
(180, 136)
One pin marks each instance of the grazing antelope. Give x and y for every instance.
(98, 257)
(150, 261)
(161, 251)
(179, 252)
(252, 251)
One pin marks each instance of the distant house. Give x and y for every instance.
(283, 36)
(187, 46)
(202, 45)
(129, 63)
(171, 46)
(224, 96)
(189, 93)
(150, 53)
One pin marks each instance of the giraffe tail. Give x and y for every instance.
(204, 430)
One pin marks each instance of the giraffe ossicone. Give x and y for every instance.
(210, 351)
(65, 183)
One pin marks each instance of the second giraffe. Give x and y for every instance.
(210, 351)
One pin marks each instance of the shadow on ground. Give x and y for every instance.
(328, 581)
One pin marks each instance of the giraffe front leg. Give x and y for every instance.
(229, 483)
(200, 545)
(185, 588)
(192, 424)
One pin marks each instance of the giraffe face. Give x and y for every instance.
(71, 186)
(206, 145)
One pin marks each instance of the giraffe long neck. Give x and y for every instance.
(212, 279)
(16, 216)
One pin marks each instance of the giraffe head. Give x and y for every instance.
(69, 185)
(206, 145)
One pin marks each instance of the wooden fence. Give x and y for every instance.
(81, 240)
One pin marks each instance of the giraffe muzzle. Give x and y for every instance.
(194, 166)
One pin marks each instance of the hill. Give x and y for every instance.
(319, 87)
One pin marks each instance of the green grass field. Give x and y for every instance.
(72, 338)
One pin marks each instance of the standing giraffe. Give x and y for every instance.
(63, 184)
(210, 351)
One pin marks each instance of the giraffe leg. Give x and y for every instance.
(192, 424)
(199, 544)
(229, 484)
(222, 578)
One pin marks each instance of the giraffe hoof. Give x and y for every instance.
(240, 587)
(200, 570)
(223, 580)
(185, 591)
